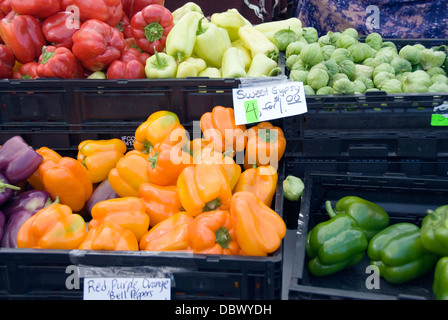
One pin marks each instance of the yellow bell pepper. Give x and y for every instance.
(261, 181)
(259, 229)
(100, 156)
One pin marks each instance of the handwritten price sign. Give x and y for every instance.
(267, 102)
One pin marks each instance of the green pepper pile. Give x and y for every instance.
(402, 251)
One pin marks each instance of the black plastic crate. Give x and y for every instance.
(370, 125)
(41, 274)
(404, 199)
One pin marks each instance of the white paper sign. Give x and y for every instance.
(268, 101)
(109, 288)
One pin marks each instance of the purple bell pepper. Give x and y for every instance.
(102, 192)
(19, 209)
(6, 189)
(18, 161)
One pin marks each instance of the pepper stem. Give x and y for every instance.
(4, 186)
(212, 205)
(223, 237)
(46, 55)
(329, 209)
(268, 135)
(201, 29)
(153, 31)
(153, 160)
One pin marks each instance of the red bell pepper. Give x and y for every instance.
(23, 35)
(132, 69)
(131, 7)
(97, 44)
(151, 26)
(26, 71)
(56, 31)
(36, 8)
(57, 62)
(108, 11)
(124, 25)
(7, 62)
(134, 54)
(5, 6)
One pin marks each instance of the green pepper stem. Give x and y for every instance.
(212, 205)
(4, 186)
(201, 29)
(329, 209)
(153, 160)
(274, 71)
(46, 55)
(153, 31)
(223, 237)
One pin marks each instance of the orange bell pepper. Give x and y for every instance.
(213, 233)
(204, 187)
(208, 155)
(129, 173)
(166, 162)
(259, 229)
(110, 236)
(261, 181)
(168, 235)
(53, 227)
(160, 127)
(127, 212)
(161, 201)
(218, 126)
(265, 145)
(67, 179)
(100, 156)
(46, 153)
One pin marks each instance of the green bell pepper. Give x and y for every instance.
(335, 245)
(434, 231)
(371, 218)
(211, 43)
(440, 284)
(160, 65)
(342, 241)
(399, 254)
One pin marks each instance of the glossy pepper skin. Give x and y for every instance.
(259, 229)
(68, 180)
(53, 227)
(335, 245)
(168, 235)
(434, 231)
(160, 127)
(26, 71)
(96, 44)
(151, 26)
(233, 65)
(261, 181)
(440, 283)
(257, 42)
(208, 155)
(182, 37)
(103, 191)
(17, 160)
(46, 153)
(211, 42)
(131, 7)
(370, 217)
(399, 254)
(7, 62)
(218, 126)
(108, 11)
(110, 236)
(231, 20)
(132, 69)
(23, 35)
(166, 162)
(57, 62)
(56, 31)
(36, 8)
(213, 233)
(265, 145)
(18, 210)
(129, 173)
(100, 156)
(127, 212)
(161, 201)
(204, 187)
